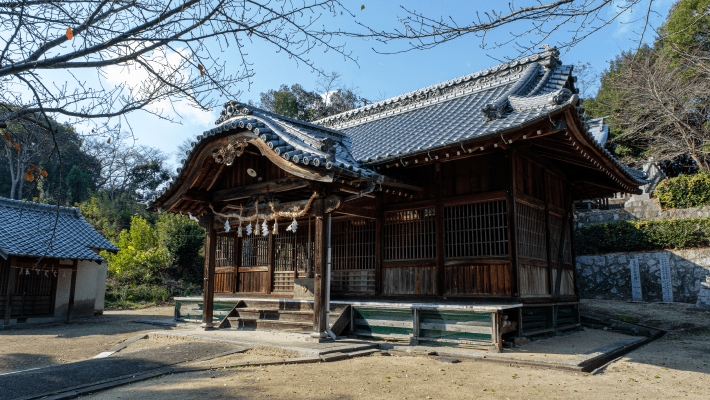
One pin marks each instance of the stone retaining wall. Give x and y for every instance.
(607, 276)
(638, 209)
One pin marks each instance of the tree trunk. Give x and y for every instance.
(702, 165)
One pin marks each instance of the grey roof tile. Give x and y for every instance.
(473, 106)
(43, 230)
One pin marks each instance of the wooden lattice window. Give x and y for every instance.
(555, 226)
(530, 222)
(353, 256)
(353, 244)
(476, 230)
(294, 251)
(410, 235)
(224, 256)
(255, 252)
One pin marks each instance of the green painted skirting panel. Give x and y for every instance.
(374, 321)
(191, 310)
(460, 325)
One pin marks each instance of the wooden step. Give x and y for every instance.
(274, 325)
(275, 315)
(278, 315)
(276, 304)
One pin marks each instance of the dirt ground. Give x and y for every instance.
(44, 345)
(393, 377)
(676, 366)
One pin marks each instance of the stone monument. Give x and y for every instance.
(703, 303)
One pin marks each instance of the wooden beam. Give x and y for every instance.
(214, 178)
(351, 191)
(210, 261)
(244, 192)
(10, 288)
(584, 142)
(602, 185)
(474, 198)
(402, 185)
(356, 211)
(545, 164)
(192, 171)
(72, 287)
(196, 195)
(409, 206)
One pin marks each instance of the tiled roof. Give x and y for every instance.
(599, 130)
(43, 230)
(474, 106)
(466, 108)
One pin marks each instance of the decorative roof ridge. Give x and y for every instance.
(550, 54)
(543, 100)
(235, 109)
(499, 107)
(31, 205)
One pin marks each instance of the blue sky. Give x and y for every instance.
(376, 75)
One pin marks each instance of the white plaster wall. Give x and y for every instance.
(100, 286)
(61, 302)
(85, 294)
(90, 290)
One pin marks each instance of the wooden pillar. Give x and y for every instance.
(572, 248)
(512, 225)
(379, 227)
(210, 261)
(548, 233)
(72, 288)
(271, 249)
(10, 288)
(321, 269)
(439, 223)
(237, 260)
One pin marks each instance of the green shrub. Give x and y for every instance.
(642, 235)
(142, 272)
(184, 239)
(141, 259)
(684, 191)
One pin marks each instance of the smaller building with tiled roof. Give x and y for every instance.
(50, 266)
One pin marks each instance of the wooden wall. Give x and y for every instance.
(542, 199)
(452, 239)
(33, 293)
(236, 175)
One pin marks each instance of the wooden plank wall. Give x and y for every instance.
(542, 199)
(254, 267)
(224, 260)
(479, 279)
(33, 295)
(473, 217)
